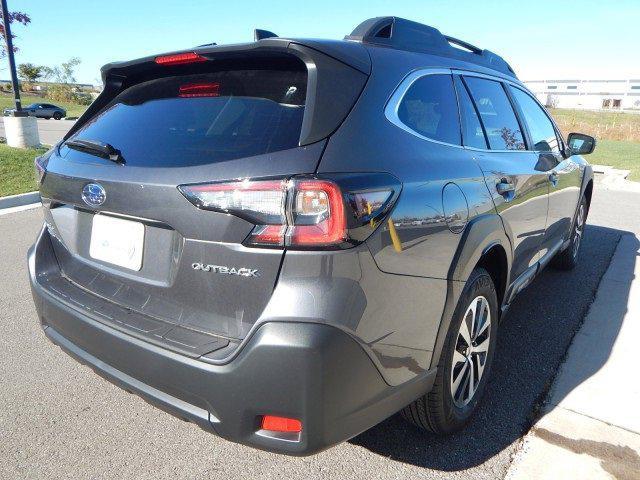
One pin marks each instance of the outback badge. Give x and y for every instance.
(241, 272)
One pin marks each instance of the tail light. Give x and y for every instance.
(40, 165)
(300, 212)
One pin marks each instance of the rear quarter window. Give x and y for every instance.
(429, 108)
(203, 118)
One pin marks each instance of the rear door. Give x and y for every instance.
(518, 187)
(123, 231)
(564, 175)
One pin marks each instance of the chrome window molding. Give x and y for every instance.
(391, 108)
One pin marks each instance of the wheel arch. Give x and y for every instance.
(484, 243)
(588, 192)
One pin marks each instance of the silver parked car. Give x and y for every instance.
(41, 110)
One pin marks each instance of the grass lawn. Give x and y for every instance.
(604, 125)
(17, 174)
(73, 110)
(618, 154)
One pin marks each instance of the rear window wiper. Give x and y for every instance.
(99, 149)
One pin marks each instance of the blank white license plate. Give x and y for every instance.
(117, 241)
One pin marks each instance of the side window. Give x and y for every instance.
(472, 134)
(543, 135)
(429, 108)
(498, 117)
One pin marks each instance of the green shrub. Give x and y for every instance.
(60, 93)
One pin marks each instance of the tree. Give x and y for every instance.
(64, 76)
(19, 17)
(29, 72)
(65, 73)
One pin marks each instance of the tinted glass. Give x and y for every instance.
(472, 134)
(204, 118)
(497, 115)
(543, 135)
(429, 108)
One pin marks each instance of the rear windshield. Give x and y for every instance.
(204, 118)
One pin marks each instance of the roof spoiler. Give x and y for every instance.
(404, 34)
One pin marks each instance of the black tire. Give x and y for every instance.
(567, 259)
(438, 411)
(57, 115)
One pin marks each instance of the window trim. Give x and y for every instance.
(475, 109)
(393, 104)
(516, 84)
(505, 90)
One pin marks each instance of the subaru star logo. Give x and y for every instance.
(93, 194)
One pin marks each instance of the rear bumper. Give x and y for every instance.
(312, 372)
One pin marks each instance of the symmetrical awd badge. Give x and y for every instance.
(242, 271)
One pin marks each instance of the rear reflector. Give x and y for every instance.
(281, 424)
(180, 59)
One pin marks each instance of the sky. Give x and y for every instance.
(541, 39)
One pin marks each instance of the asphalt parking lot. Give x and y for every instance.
(51, 131)
(60, 420)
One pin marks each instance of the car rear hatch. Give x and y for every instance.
(121, 229)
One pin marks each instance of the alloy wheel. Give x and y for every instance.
(471, 351)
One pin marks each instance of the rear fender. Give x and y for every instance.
(481, 234)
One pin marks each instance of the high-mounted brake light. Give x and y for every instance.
(180, 59)
(298, 213)
(211, 89)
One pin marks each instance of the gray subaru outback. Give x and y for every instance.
(288, 241)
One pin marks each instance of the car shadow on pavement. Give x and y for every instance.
(532, 343)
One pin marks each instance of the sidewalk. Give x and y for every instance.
(590, 428)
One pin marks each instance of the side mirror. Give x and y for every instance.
(581, 144)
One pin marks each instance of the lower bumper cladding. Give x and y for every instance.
(294, 388)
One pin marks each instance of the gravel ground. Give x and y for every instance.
(60, 420)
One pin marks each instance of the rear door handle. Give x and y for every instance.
(505, 187)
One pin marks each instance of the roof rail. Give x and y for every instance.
(259, 34)
(404, 34)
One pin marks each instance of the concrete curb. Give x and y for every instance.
(19, 200)
(607, 170)
(590, 428)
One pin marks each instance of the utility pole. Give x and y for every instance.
(20, 129)
(12, 62)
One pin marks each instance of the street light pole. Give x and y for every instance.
(12, 63)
